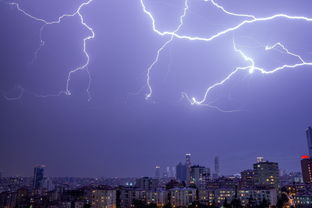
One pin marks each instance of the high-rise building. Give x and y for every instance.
(147, 183)
(266, 174)
(168, 172)
(306, 168)
(38, 176)
(188, 162)
(309, 138)
(188, 165)
(157, 171)
(199, 176)
(165, 174)
(217, 167)
(181, 172)
(173, 171)
(247, 179)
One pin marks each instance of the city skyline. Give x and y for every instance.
(191, 186)
(189, 161)
(75, 89)
(168, 171)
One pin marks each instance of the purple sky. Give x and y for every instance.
(119, 133)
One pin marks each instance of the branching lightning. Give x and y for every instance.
(149, 94)
(45, 23)
(251, 67)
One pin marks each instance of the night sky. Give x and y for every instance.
(118, 132)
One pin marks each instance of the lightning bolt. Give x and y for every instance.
(150, 89)
(175, 34)
(45, 23)
(276, 45)
(251, 67)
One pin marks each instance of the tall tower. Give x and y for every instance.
(188, 165)
(309, 138)
(217, 166)
(168, 171)
(181, 172)
(173, 171)
(188, 162)
(38, 176)
(157, 171)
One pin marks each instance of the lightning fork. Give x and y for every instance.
(250, 19)
(148, 81)
(45, 23)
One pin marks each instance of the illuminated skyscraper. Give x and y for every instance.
(309, 138)
(306, 168)
(38, 176)
(266, 174)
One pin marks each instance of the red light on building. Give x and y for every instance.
(305, 157)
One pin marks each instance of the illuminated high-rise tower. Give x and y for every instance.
(309, 138)
(266, 174)
(306, 168)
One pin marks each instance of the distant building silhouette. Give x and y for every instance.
(157, 171)
(188, 165)
(216, 167)
(309, 139)
(38, 176)
(173, 172)
(188, 161)
(181, 172)
(168, 172)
